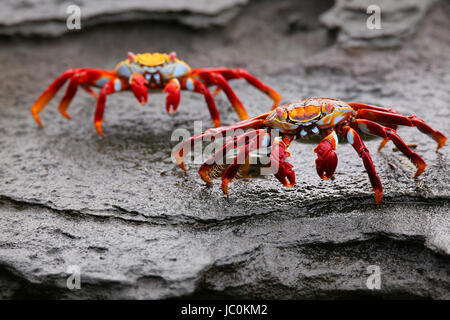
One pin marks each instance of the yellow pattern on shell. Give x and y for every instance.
(152, 59)
(305, 113)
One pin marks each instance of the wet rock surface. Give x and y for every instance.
(138, 227)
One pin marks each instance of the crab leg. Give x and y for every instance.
(241, 159)
(359, 106)
(89, 90)
(235, 102)
(218, 158)
(216, 91)
(110, 87)
(355, 140)
(240, 73)
(49, 93)
(275, 96)
(403, 120)
(198, 86)
(278, 157)
(327, 160)
(216, 78)
(385, 141)
(83, 77)
(376, 129)
(68, 96)
(186, 146)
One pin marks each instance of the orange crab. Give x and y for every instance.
(152, 72)
(317, 116)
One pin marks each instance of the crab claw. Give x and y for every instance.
(139, 87)
(327, 160)
(173, 95)
(285, 173)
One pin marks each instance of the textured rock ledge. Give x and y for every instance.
(399, 20)
(48, 17)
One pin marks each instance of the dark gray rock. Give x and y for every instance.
(48, 17)
(399, 20)
(138, 227)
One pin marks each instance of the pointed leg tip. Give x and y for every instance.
(440, 144)
(204, 176)
(378, 197)
(440, 139)
(66, 115)
(418, 173)
(206, 179)
(38, 120)
(182, 166)
(289, 185)
(99, 130)
(225, 189)
(382, 144)
(421, 166)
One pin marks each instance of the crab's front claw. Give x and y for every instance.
(139, 87)
(327, 160)
(173, 95)
(284, 170)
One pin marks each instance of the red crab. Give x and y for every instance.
(317, 116)
(153, 72)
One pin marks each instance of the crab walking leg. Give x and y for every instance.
(275, 96)
(49, 93)
(68, 96)
(110, 87)
(385, 141)
(235, 102)
(240, 73)
(359, 106)
(218, 158)
(89, 90)
(186, 146)
(284, 170)
(327, 160)
(403, 120)
(173, 95)
(198, 86)
(355, 140)
(217, 91)
(370, 127)
(241, 159)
